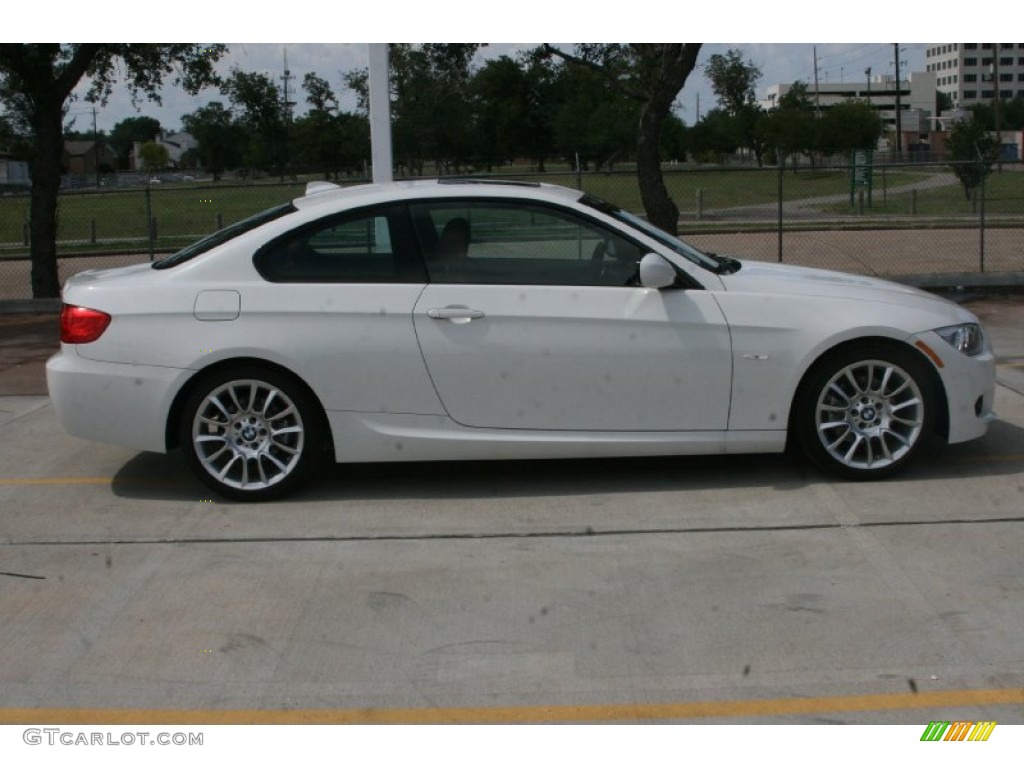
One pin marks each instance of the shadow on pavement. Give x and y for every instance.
(156, 476)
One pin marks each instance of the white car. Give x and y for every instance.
(485, 320)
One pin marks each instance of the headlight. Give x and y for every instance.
(967, 338)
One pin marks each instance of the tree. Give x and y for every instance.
(431, 109)
(37, 81)
(791, 126)
(154, 156)
(499, 97)
(972, 151)
(130, 130)
(674, 138)
(325, 137)
(260, 110)
(716, 135)
(1011, 114)
(592, 117)
(432, 104)
(734, 81)
(221, 140)
(514, 103)
(652, 74)
(848, 126)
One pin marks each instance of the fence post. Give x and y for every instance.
(220, 221)
(780, 162)
(981, 228)
(700, 204)
(24, 233)
(92, 231)
(913, 202)
(150, 224)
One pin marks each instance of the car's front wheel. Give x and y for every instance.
(251, 434)
(865, 412)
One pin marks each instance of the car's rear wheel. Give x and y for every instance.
(865, 412)
(251, 434)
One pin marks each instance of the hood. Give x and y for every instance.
(786, 279)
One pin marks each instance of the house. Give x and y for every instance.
(13, 173)
(84, 156)
(176, 142)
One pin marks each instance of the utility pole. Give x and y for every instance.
(867, 74)
(817, 100)
(96, 148)
(899, 108)
(995, 107)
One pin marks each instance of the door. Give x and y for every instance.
(539, 325)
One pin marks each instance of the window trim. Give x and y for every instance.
(225, 235)
(685, 280)
(409, 269)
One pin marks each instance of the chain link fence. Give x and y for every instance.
(893, 220)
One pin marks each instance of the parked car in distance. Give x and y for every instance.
(433, 320)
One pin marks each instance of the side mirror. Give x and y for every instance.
(655, 272)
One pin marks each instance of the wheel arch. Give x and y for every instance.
(174, 414)
(879, 342)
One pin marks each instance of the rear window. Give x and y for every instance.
(221, 236)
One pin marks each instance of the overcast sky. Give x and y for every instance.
(780, 63)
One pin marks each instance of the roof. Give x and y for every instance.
(324, 193)
(82, 146)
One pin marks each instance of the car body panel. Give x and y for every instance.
(391, 437)
(578, 357)
(422, 370)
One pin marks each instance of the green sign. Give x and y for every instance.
(861, 166)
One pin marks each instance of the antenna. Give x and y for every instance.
(286, 78)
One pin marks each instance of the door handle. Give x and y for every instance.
(455, 314)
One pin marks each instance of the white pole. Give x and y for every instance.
(380, 114)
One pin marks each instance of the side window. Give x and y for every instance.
(362, 247)
(520, 243)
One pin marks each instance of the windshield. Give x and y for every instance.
(634, 221)
(223, 235)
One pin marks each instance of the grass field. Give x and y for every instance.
(116, 220)
(1004, 195)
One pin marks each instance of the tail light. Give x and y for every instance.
(80, 325)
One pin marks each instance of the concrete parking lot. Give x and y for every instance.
(742, 589)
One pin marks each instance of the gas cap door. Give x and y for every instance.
(217, 305)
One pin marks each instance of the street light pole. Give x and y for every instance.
(899, 117)
(995, 107)
(380, 114)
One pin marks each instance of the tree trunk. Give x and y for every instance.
(44, 169)
(667, 66)
(662, 212)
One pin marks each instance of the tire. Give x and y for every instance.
(865, 411)
(251, 434)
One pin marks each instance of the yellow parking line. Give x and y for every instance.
(532, 714)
